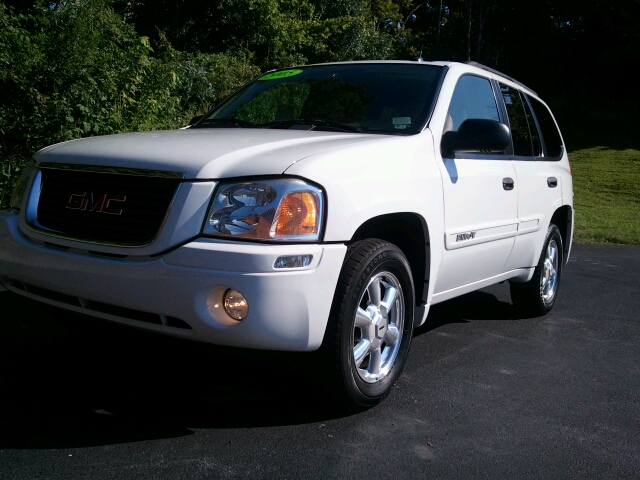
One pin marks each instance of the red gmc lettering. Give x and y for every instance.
(94, 203)
(113, 198)
(75, 201)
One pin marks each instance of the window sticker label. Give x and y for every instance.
(401, 122)
(280, 74)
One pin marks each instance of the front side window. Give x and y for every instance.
(472, 98)
(392, 98)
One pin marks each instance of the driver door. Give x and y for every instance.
(480, 197)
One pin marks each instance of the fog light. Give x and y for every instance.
(235, 304)
(295, 261)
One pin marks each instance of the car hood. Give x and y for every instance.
(202, 153)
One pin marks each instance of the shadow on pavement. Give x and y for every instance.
(477, 305)
(93, 383)
(84, 382)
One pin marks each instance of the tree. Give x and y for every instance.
(78, 70)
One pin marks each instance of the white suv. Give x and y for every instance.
(326, 205)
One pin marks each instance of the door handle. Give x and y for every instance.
(508, 183)
(552, 182)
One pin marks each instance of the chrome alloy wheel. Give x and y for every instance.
(379, 323)
(549, 278)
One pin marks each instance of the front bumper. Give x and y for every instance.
(288, 308)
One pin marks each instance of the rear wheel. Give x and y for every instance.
(537, 296)
(371, 322)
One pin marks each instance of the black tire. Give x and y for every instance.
(537, 296)
(370, 265)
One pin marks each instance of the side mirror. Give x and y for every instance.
(476, 135)
(195, 119)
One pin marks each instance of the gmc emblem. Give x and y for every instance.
(95, 203)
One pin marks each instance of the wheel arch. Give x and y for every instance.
(410, 233)
(563, 219)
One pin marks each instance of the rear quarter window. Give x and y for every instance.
(548, 129)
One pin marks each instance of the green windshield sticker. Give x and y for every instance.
(280, 74)
(401, 120)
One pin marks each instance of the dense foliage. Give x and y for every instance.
(73, 68)
(78, 69)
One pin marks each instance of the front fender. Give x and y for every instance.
(392, 175)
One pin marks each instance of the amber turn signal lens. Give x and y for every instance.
(298, 215)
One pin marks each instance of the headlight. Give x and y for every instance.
(278, 209)
(21, 184)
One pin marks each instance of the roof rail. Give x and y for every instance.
(489, 69)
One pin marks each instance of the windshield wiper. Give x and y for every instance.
(314, 122)
(211, 122)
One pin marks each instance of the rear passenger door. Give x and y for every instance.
(538, 174)
(480, 199)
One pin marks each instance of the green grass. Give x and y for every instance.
(606, 184)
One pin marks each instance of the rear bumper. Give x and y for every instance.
(288, 308)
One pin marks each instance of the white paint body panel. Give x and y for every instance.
(476, 202)
(392, 176)
(534, 198)
(208, 153)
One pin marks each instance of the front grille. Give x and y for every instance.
(108, 208)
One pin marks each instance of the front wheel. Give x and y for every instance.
(371, 321)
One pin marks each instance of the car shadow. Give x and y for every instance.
(478, 305)
(84, 382)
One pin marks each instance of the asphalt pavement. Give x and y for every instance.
(484, 394)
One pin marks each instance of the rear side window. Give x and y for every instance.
(472, 98)
(520, 128)
(550, 133)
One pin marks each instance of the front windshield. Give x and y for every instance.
(391, 98)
